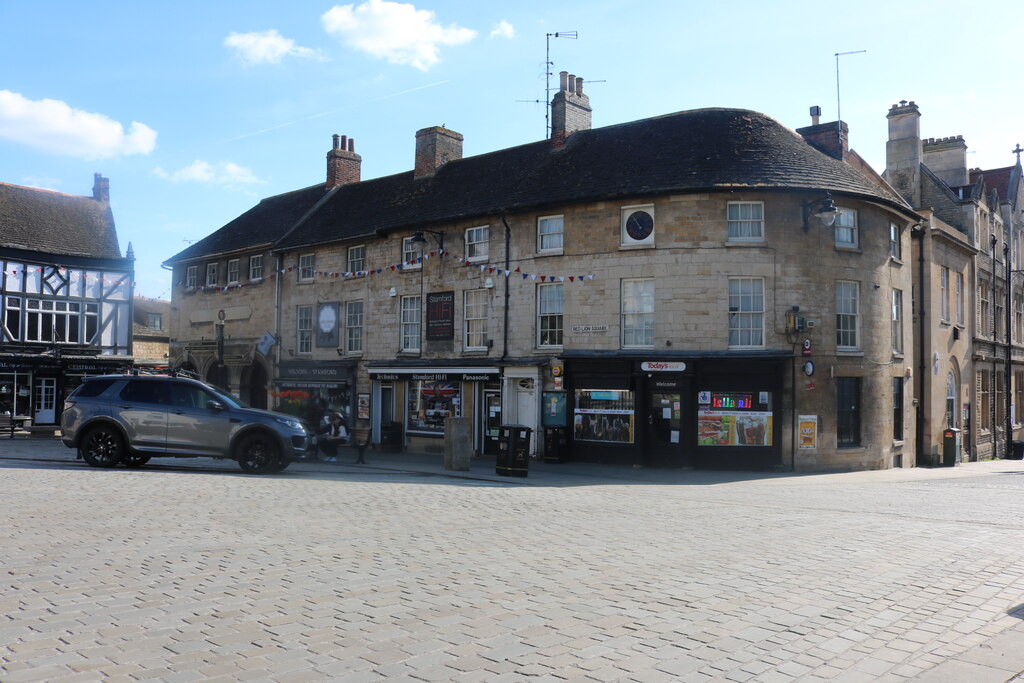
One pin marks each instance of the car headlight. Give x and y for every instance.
(290, 423)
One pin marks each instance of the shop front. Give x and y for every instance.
(33, 386)
(313, 390)
(705, 412)
(410, 404)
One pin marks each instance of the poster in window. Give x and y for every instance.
(440, 316)
(363, 406)
(554, 403)
(327, 325)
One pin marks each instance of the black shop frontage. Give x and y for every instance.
(313, 390)
(705, 412)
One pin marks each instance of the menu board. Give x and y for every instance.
(733, 428)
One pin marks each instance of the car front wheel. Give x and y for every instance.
(257, 454)
(102, 447)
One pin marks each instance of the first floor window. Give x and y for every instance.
(53, 321)
(846, 228)
(192, 277)
(897, 408)
(549, 314)
(550, 233)
(211, 274)
(233, 271)
(306, 266)
(475, 318)
(637, 313)
(354, 327)
(1000, 397)
(746, 311)
(897, 321)
(847, 412)
(12, 319)
(944, 293)
(256, 267)
(959, 298)
(410, 323)
(304, 329)
(1018, 397)
(356, 259)
(411, 252)
(155, 321)
(745, 221)
(476, 243)
(895, 241)
(952, 413)
(847, 314)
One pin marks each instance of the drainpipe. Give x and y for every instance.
(995, 341)
(922, 362)
(504, 331)
(1008, 447)
(277, 321)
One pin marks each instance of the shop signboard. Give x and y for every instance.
(734, 418)
(440, 316)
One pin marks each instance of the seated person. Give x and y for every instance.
(332, 435)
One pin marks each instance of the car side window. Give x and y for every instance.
(92, 388)
(138, 391)
(186, 396)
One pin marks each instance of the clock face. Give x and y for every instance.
(639, 225)
(327, 319)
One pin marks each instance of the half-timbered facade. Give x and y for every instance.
(65, 297)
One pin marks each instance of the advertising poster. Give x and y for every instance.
(808, 431)
(734, 428)
(603, 425)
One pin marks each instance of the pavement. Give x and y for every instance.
(402, 570)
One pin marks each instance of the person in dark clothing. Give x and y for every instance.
(332, 435)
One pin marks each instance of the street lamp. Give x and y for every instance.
(825, 209)
(418, 238)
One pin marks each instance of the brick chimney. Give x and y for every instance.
(947, 158)
(343, 163)
(570, 109)
(903, 151)
(101, 188)
(435, 147)
(828, 138)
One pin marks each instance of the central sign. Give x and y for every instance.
(663, 366)
(440, 316)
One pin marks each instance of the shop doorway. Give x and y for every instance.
(46, 401)
(663, 429)
(254, 386)
(491, 422)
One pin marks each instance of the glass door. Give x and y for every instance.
(664, 429)
(491, 421)
(46, 397)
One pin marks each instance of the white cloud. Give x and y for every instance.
(199, 171)
(503, 29)
(55, 127)
(266, 47)
(395, 31)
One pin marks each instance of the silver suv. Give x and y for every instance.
(128, 419)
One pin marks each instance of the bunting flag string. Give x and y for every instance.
(398, 267)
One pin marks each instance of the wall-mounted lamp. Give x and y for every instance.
(392, 292)
(291, 352)
(418, 238)
(489, 283)
(341, 352)
(825, 209)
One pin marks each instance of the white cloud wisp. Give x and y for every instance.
(266, 47)
(395, 31)
(199, 171)
(54, 127)
(503, 29)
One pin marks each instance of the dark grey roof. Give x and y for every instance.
(263, 224)
(52, 222)
(690, 151)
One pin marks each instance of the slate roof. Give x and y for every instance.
(690, 151)
(52, 222)
(1005, 181)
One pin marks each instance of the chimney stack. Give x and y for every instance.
(947, 158)
(343, 164)
(828, 138)
(435, 147)
(903, 151)
(570, 109)
(101, 188)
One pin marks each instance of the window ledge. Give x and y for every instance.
(552, 252)
(896, 261)
(852, 449)
(849, 248)
(408, 354)
(477, 259)
(897, 444)
(850, 353)
(629, 247)
(745, 243)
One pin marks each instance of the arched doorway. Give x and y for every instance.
(254, 385)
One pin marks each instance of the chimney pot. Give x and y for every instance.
(563, 80)
(100, 188)
(336, 139)
(352, 145)
(579, 85)
(570, 109)
(572, 83)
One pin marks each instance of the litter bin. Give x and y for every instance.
(1018, 451)
(950, 447)
(513, 458)
(556, 444)
(391, 437)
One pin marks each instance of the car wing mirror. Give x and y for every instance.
(214, 405)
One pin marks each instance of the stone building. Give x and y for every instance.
(150, 336)
(65, 297)
(970, 323)
(706, 288)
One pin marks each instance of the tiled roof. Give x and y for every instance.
(263, 224)
(690, 151)
(52, 222)
(1002, 180)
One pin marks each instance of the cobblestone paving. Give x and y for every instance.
(196, 575)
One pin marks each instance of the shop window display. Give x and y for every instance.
(15, 394)
(430, 403)
(604, 415)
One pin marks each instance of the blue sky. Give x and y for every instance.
(196, 110)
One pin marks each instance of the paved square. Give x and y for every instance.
(363, 575)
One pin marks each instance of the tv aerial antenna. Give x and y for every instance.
(839, 111)
(548, 64)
